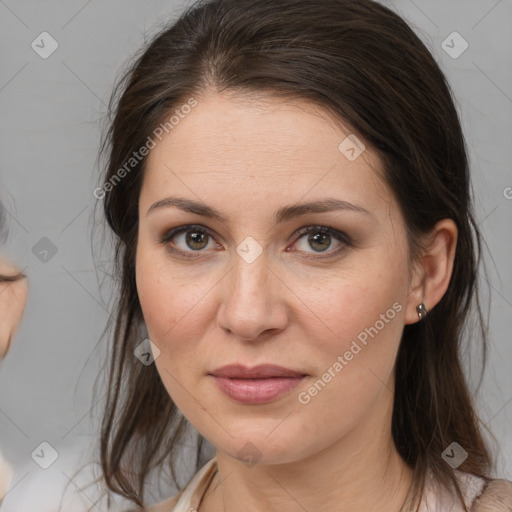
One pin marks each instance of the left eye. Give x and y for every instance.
(320, 239)
(197, 238)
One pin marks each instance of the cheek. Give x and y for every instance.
(355, 346)
(157, 301)
(172, 303)
(354, 357)
(13, 297)
(352, 303)
(173, 308)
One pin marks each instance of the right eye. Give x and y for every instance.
(187, 239)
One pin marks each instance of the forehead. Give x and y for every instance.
(227, 126)
(237, 148)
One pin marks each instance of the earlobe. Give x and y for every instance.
(422, 311)
(434, 270)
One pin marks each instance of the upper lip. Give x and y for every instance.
(261, 371)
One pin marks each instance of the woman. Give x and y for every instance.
(13, 296)
(288, 187)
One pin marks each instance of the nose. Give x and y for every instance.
(254, 302)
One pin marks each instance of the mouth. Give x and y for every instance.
(257, 385)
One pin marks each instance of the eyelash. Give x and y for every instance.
(341, 237)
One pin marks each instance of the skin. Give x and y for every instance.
(13, 297)
(248, 157)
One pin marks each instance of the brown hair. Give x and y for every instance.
(365, 65)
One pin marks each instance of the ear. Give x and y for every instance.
(433, 270)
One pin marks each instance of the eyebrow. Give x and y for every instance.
(281, 215)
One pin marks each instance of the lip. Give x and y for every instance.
(257, 385)
(261, 371)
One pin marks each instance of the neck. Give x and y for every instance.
(360, 472)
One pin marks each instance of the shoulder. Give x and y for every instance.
(480, 494)
(486, 494)
(495, 497)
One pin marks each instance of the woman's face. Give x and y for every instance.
(13, 296)
(252, 288)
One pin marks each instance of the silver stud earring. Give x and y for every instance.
(422, 311)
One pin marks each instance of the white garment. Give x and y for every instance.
(435, 498)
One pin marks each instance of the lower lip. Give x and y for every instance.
(257, 391)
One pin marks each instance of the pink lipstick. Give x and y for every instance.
(260, 384)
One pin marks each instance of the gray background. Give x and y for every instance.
(52, 110)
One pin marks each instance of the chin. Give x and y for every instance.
(257, 448)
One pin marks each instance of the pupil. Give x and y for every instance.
(193, 238)
(319, 238)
